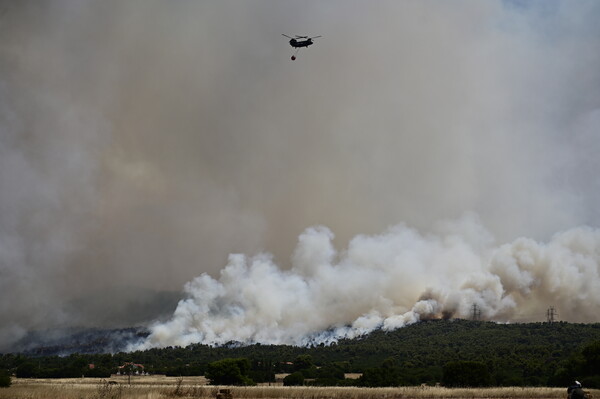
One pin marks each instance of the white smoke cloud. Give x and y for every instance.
(387, 281)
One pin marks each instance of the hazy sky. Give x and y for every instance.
(143, 141)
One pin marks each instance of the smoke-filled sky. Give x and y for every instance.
(422, 156)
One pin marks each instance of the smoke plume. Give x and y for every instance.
(143, 141)
(387, 281)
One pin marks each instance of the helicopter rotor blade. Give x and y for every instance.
(289, 37)
(314, 37)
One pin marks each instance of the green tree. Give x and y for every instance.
(5, 381)
(329, 375)
(334, 370)
(591, 354)
(303, 362)
(26, 370)
(229, 372)
(294, 379)
(466, 374)
(388, 375)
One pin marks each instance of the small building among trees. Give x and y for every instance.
(131, 368)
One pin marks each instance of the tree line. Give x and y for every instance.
(451, 352)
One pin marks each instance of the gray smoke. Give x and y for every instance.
(143, 141)
(387, 281)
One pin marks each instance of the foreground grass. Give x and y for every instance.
(192, 388)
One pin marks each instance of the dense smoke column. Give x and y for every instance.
(387, 281)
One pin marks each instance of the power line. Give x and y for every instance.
(476, 312)
(551, 314)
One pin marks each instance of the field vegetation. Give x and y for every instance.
(174, 387)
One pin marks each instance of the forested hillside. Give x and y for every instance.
(508, 354)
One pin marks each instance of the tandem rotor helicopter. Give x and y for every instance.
(298, 42)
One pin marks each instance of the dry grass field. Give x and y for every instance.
(194, 387)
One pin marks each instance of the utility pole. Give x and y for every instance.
(551, 314)
(476, 312)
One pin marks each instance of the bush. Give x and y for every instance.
(26, 370)
(466, 374)
(591, 354)
(294, 379)
(4, 379)
(303, 362)
(229, 372)
(388, 375)
(591, 381)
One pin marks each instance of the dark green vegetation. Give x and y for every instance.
(464, 373)
(456, 353)
(5, 381)
(229, 372)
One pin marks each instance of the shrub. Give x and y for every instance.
(466, 374)
(229, 372)
(591, 381)
(26, 370)
(294, 379)
(4, 379)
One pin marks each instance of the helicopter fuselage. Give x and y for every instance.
(300, 43)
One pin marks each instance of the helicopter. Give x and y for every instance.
(298, 42)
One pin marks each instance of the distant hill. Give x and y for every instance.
(439, 341)
(432, 343)
(426, 340)
(514, 354)
(63, 342)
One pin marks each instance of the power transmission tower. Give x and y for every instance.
(476, 312)
(551, 314)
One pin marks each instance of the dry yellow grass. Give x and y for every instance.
(191, 387)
